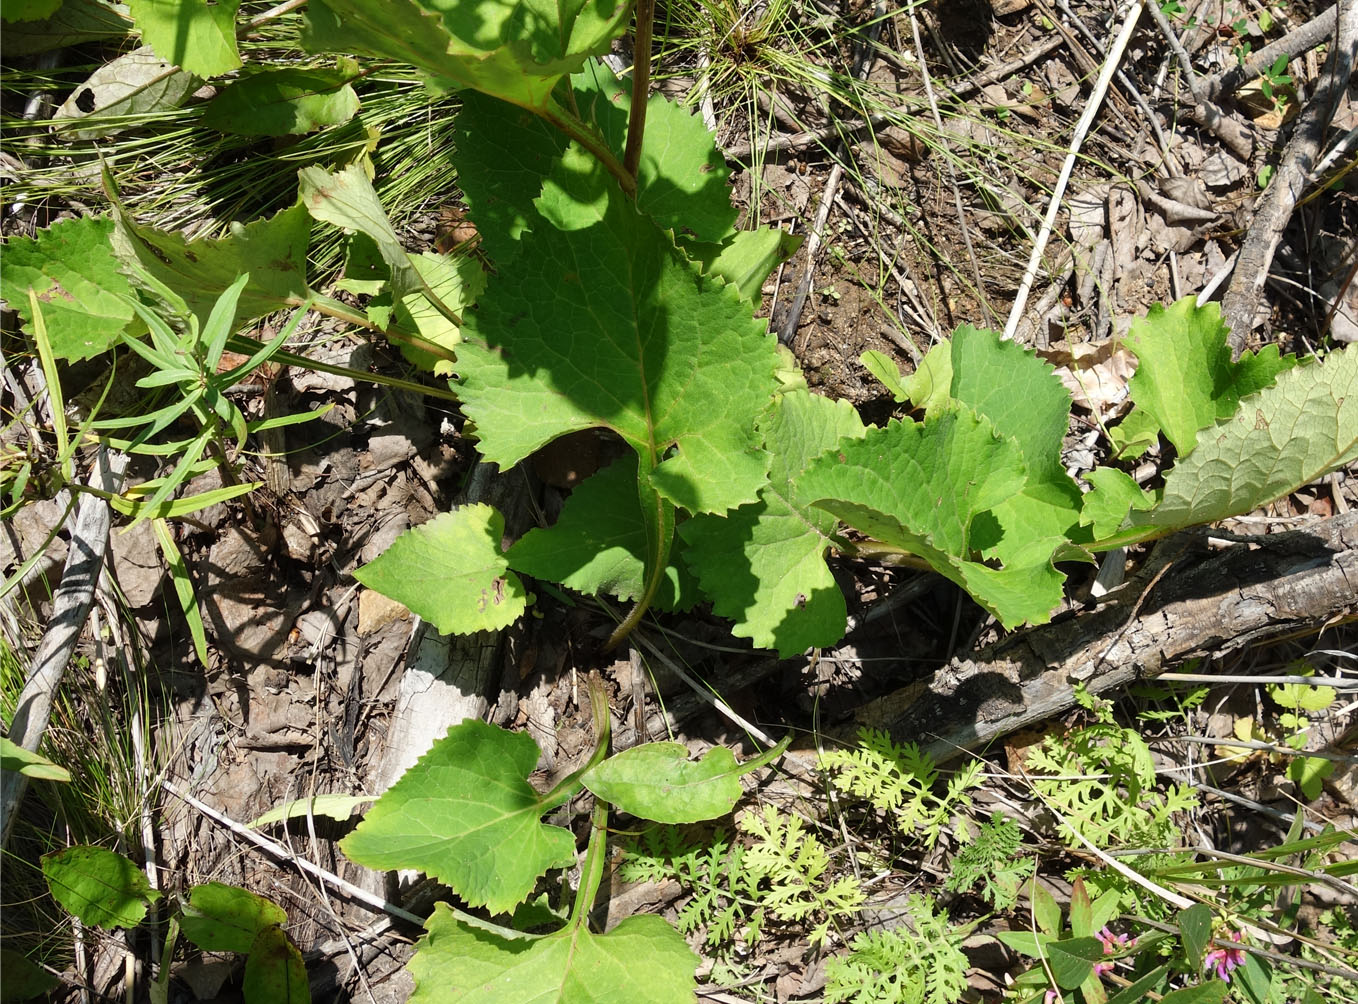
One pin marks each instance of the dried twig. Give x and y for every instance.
(1293, 44)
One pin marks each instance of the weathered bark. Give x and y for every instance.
(1204, 603)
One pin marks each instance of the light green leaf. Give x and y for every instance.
(224, 918)
(14, 757)
(100, 887)
(642, 959)
(612, 327)
(1185, 378)
(658, 781)
(1195, 928)
(1301, 696)
(71, 23)
(1280, 439)
(282, 101)
(348, 200)
(747, 257)
(452, 572)
(198, 36)
(1136, 992)
(1309, 773)
(466, 815)
(763, 565)
(888, 374)
(332, 806)
(510, 50)
(598, 543)
(274, 971)
(1115, 494)
(930, 489)
(1211, 992)
(71, 268)
(136, 83)
(457, 282)
(273, 251)
(929, 388)
(29, 10)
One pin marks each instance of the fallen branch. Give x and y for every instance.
(1241, 299)
(1213, 603)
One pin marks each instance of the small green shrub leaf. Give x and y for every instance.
(1136, 992)
(1195, 927)
(1279, 439)
(334, 806)
(273, 251)
(1211, 992)
(642, 959)
(200, 37)
(283, 101)
(23, 979)
(98, 886)
(658, 781)
(81, 292)
(930, 489)
(1309, 773)
(451, 572)
(598, 543)
(509, 50)
(347, 199)
(1072, 961)
(225, 918)
(1114, 495)
(1185, 378)
(612, 327)
(466, 815)
(274, 971)
(15, 758)
(763, 565)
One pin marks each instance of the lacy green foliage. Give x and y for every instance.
(898, 966)
(794, 864)
(1102, 779)
(992, 858)
(725, 895)
(899, 781)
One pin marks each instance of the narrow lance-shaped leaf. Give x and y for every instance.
(763, 565)
(642, 959)
(466, 815)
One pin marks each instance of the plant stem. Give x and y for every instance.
(591, 874)
(641, 85)
(659, 538)
(577, 130)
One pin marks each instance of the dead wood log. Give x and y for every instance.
(1188, 601)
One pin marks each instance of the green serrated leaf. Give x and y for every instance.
(658, 781)
(1301, 696)
(612, 327)
(1280, 439)
(100, 887)
(642, 959)
(225, 918)
(510, 50)
(199, 37)
(598, 543)
(1195, 927)
(136, 83)
(929, 489)
(763, 565)
(282, 101)
(14, 757)
(466, 815)
(273, 251)
(76, 278)
(274, 971)
(451, 572)
(1185, 378)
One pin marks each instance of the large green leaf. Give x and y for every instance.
(273, 251)
(274, 970)
(282, 101)
(100, 887)
(931, 489)
(1279, 439)
(658, 781)
(451, 572)
(763, 565)
(225, 918)
(611, 326)
(82, 295)
(598, 543)
(1185, 378)
(512, 50)
(199, 37)
(642, 959)
(466, 815)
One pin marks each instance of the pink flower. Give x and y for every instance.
(1102, 967)
(1051, 997)
(1114, 942)
(1225, 959)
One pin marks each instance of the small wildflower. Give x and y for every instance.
(1114, 942)
(1102, 967)
(1051, 997)
(1225, 959)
